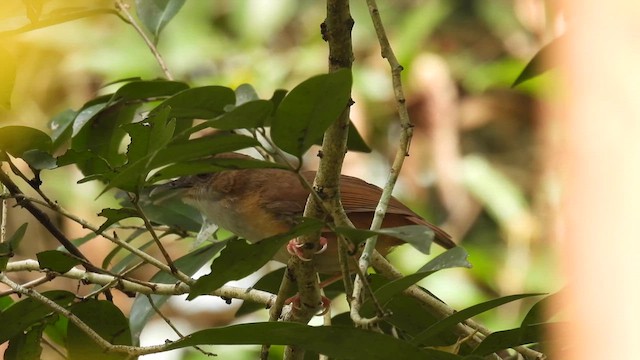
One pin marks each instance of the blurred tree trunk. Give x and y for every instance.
(599, 222)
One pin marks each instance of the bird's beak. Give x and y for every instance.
(172, 188)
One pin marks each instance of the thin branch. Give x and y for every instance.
(34, 183)
(31, 284)
(58, 19)
(104, 344)
(124, 8)
(403, 151)
(20, 197)
(46, 222)
(155, 237)
(141, 287)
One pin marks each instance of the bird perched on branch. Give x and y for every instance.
(258, 203)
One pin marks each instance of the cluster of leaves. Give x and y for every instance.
(157, 119)
(143, 133)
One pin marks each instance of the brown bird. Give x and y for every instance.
(258, 203)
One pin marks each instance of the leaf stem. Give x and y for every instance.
(124, 8)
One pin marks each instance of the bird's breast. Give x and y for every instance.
(242, 216)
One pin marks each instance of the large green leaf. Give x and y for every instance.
(309, 109)
(204, 102)
(246, 116)
(419, 236)
(209, 166)
(333, 341)
(147, 89)
(27, 312)
(141, 310)
(169, 210)
(107, 320)
(455, 257)
(505, 339)
(156, 14)
(201, 147)
(16, 140)
(240, 259)
(57, 261)
(26, 346)
(449, 322)
(103, 135)
(61, 127)
(147, 138)
(115, 215)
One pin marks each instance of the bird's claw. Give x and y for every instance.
(325, 302)
(295, 248)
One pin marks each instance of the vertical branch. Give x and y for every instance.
(403, 150)
(336, 30)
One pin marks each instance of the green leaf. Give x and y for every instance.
(8, 247)
(86, 114)
(57, 261)
(355, 142)
(333, 341)
(115, 215)
(249, 115)
(200, 147)
(107, 320)
(142, 311)
(540, 63)
(16, 140)
(39, 160)
(57, 330)
(156, 14)
(26, 346)
(240, 258)
(27, 312)
(455, 257)
(147, 138)
(6, 253)
(99, 166)
(309, 109)
(15, 239)
(210, 165)
(103, 136)
(542, 311)
(170, 211)
(7, 77)
(5, 302)
(61, 127)
(442, 326)
(147, 89)
(419, 236)
(511, 338)
(204, 102)
(149, 135)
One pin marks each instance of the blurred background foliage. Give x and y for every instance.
(481, 162)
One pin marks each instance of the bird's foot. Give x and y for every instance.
(294, 247)
(325, 302)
